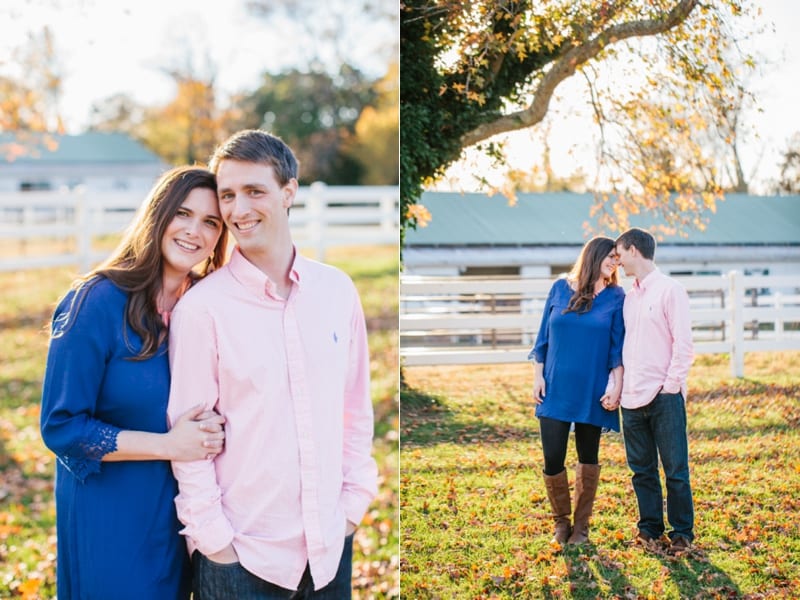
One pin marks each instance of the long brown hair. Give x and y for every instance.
(586, 271)
(136, 265)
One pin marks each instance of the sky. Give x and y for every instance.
(777, 86)
(119, 46)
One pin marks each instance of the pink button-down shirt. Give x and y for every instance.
(291, 376)
(658, 351)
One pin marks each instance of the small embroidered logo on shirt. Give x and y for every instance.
(335, 338)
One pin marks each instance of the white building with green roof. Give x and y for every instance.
(97, 160)
(542, 234)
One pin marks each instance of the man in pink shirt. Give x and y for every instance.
(277, 344)
(657, 354)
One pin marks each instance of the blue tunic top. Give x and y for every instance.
(578, 351)
(116, 522)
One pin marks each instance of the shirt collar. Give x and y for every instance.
(648, 279)
(255, 280)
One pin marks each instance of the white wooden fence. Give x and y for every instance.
(465, 320)
(69, 223)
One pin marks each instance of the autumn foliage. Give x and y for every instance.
(473, 70)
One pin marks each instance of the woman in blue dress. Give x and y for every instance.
(577, 361)
(104, 402)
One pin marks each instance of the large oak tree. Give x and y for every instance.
(472, 70)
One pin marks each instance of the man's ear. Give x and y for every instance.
(289, 192)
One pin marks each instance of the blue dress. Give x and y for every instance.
(118, 532)
(578, 351)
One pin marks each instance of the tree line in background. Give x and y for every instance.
(343, 125)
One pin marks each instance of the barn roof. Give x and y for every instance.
(92, 147)
(557, 219)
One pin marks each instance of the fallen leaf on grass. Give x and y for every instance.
(29, 589)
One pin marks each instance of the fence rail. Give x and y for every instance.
(68, 224)
(465, 320)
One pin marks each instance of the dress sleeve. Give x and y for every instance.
(80, 344)
(539, 350)
(359, 471)
(617, 334)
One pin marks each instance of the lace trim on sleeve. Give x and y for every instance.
(86, 457)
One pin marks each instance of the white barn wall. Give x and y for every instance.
(130, 177)
(539, 262)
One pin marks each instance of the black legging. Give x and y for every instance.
(555, 435)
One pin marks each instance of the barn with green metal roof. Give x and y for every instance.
(98, 160)
(541, 235)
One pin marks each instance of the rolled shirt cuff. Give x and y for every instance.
(210, 537)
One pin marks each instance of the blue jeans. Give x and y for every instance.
(214, 581)
(652, 431)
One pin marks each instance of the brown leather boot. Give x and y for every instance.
(586, 478)
(558, 494)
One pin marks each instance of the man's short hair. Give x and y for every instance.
(644, 242)
(256, 146)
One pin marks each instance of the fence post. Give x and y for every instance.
(83, 230)
(28, 220)
(778, 316)
(315, 208)
(388, 213)
(737, 323)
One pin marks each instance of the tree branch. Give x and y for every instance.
(566, 66)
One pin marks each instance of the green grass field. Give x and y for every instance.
(27, 512)
(475, 517)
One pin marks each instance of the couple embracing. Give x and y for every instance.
(213, 429)
(597, 350)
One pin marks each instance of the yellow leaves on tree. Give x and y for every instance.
(377, 134)
(186, 130)
(30, 86)
(419, 215)
(663, 79)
